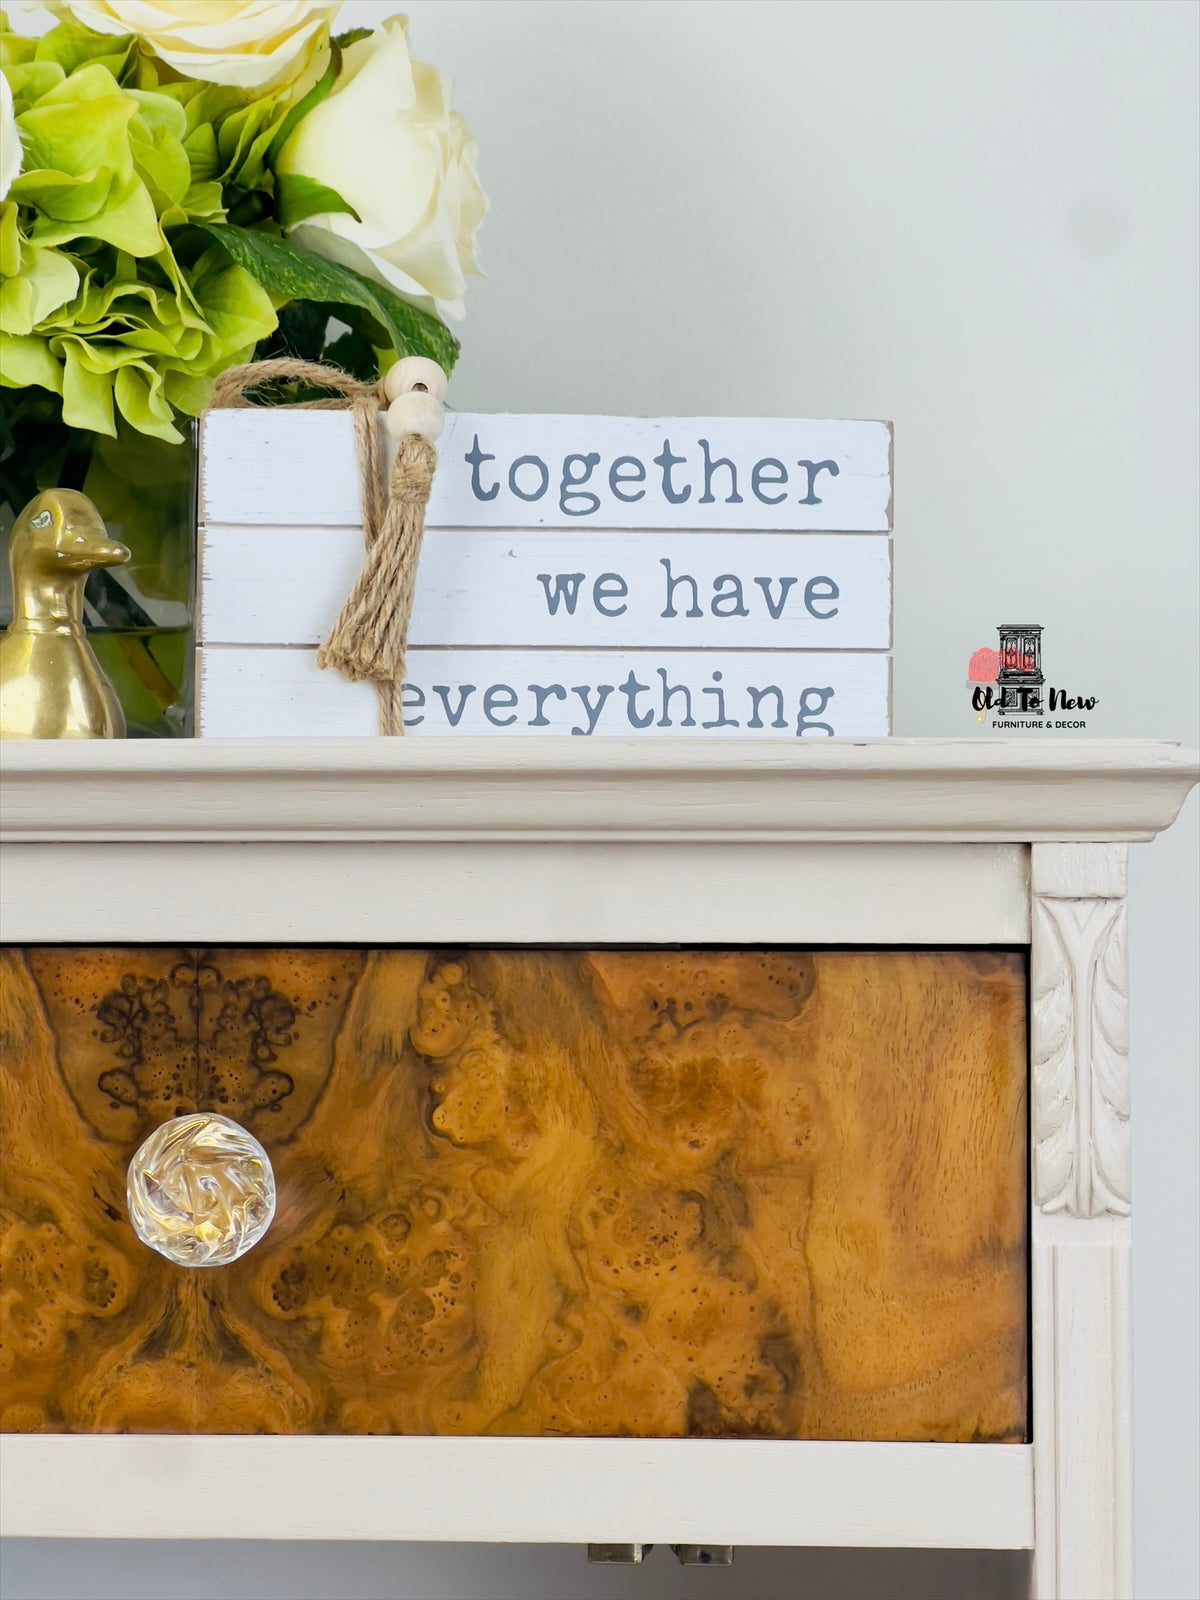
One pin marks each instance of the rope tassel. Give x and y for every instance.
(369, 638)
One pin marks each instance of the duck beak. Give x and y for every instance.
(109, 554)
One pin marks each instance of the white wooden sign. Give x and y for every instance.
(299, 468)
(488, 588)
(631, 693)
(739, 569)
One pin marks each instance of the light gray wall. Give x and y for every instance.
(978, 220)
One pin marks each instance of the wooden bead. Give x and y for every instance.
(416, 412)
(415, 372)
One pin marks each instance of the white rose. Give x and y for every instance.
(244, 44)
(10, 140)
(387, 141)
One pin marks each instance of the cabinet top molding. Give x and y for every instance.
(525, 790)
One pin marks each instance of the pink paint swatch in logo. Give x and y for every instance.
(984, 666)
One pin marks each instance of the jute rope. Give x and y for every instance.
(369, 637)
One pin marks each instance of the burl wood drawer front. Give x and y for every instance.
(749, 1193)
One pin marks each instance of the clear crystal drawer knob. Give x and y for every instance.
(201, 1191)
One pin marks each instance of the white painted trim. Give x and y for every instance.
(1079, 1003)
(1080, 872)
(1080, 1281)
(768, 1492)
(1080, 1058)
(1082, 1411)
(481, 893)
(613, 790)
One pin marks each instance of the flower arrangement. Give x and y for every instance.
(181, 186)
(185, 187)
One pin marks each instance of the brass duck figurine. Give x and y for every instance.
(51, 685)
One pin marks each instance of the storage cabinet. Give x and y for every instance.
(672, 1144)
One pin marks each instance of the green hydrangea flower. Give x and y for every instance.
(110, 297)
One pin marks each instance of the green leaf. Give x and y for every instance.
(302, 107)
(244, 141)
(72, 47)
(30, 82)
(301, 332)
(41, 282)
(287, 273)
(297, 197)
(15, 50)
(26, 361)
(79, 126)
(250, 208)
(355, 354)
(207, 107)
(127, 221)
(351, 36)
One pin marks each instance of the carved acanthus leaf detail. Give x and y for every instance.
(1080, 1057)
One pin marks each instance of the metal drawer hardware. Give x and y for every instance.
(688, 1555)
(704, 1555)
(618, 1555)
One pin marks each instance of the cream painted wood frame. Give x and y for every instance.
(874, 843)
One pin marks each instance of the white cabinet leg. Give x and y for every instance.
(1081, 1410)
(1081, 1355)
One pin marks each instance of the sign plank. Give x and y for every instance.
(246, 691)
(586, 576)
(277, 585)
(300, 469)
